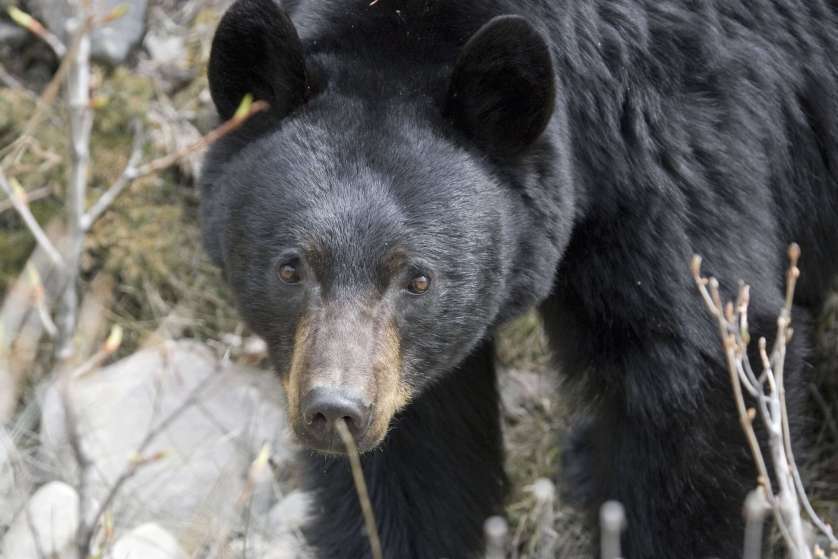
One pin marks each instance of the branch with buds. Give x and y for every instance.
(768, 391)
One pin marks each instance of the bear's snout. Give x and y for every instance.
(346, 366)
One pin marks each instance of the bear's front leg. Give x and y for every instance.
(664, 439)
(434, 480)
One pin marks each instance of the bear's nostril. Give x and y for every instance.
(319, 422)
(322, 408)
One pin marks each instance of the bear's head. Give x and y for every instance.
(379, 220)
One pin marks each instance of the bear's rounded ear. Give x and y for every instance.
(256, 50)
(503, 89)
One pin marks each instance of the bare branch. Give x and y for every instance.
(37, 28)
(167, 161)
(769, 392)
(127, 176)
(39, 294)
(18, 201)
(31, 196)
(81, 125)
(133, 170)
(49, 94)
(709, 289)
(361, 488)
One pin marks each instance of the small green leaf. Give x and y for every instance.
(20, 17)
(244, 107)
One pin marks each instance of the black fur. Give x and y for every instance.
(675, 127)
(434, 471)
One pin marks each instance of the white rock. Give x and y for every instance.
(53, 514)
(206, 452)
(148, 541)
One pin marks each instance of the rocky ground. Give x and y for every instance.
(184, 420)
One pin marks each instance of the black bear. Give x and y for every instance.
(432, 168)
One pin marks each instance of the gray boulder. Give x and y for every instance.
(110, 43)
(195, 469)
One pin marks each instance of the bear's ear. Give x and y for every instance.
(256, 50)
(503, 89)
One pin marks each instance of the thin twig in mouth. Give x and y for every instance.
(360, 488)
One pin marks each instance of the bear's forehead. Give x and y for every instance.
(346, 157)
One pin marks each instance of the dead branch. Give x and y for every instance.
(37, 28)
(17, 197)
(31, 196)
(361, 488)
(127, 176)
(769, 392)
(81, 124)
(133, 170)
(16, 148)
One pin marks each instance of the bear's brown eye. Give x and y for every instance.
(288, 273)
(419, 285)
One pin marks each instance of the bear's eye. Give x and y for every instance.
(419, 284)
(287, 273)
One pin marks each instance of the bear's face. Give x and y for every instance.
(368, 248)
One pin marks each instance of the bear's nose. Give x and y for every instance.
(322, 408)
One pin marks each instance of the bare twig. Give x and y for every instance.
(108, 348)
(49, 94)
(18, 200)
(37, 28)
(127, 176)
(709, 289)
(247, 109)
(31, 196)
(39, 294)
(134, 170)
(20, 326)
(769, 392)
(81, 124)
(361, 488)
